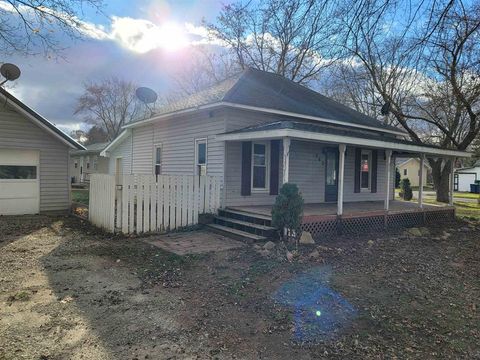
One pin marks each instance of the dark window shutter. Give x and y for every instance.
(246, 188)
(358, 163)
(274, 166)
(373, 186)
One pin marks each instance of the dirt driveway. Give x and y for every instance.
(68, 291)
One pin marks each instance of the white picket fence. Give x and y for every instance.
(101, 203)
(148, 203)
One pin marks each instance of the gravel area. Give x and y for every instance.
(70, 291)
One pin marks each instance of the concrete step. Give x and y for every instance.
(257, 229)
(246, 216)
(236, 234)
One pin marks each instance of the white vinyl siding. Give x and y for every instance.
(123, 151)
(177, 136)
(17, 132)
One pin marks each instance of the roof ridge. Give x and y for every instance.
(236, 85)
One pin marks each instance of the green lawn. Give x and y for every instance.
(80, 196)
(465, 195)
(465, 209)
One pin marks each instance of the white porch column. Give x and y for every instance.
(420, 181)
(452, 172)
(388, 154)
(341, 174)
(286, 159)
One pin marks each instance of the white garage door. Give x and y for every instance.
(19, 182)
(464, 181)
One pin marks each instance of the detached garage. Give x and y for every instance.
(34, 161)
(466, 176)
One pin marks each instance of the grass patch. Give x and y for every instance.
(464, 195)
(19, 296)
(80, 196)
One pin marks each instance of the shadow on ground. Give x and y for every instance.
(89, 295)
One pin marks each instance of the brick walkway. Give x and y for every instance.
(194, 242)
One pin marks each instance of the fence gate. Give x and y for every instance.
(149, 203)
(101, 207)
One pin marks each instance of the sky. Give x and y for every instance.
(144, 43)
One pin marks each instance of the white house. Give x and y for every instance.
(86, 162)
(258, 130)
(34, 161)
(464, 177)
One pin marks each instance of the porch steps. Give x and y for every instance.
(254, 218)
(236, 234)
(244, 225)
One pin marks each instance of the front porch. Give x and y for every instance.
(358, 208)
(321, 218)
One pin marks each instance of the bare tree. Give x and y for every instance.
(208, 66)
(429, 74)
(31, 26)
(293, 38)
(109, 104)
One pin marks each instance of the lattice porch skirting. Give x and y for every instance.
(321, 225)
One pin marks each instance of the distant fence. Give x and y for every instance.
(149, 203)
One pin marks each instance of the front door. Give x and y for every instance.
(331, 175)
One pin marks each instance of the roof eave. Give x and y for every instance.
(123, 135)
(263, 110)
(338, 139)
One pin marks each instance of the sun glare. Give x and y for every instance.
(172, 37)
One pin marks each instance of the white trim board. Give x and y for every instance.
(262, 110)
(339, 139)
(123, 135)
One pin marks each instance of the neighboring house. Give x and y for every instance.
(86, 162)
(258, 130)
(410, 168)
(34, 161)
(464, 177)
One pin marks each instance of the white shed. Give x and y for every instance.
(464, 177)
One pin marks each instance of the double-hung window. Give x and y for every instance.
(365, 170)
(260, 157)
(158, 160)
(201, 157)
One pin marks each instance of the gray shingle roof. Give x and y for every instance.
(92, 148)
(316, 128)
(263, 89)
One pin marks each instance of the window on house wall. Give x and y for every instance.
(158, 160)
(95, 163)
(76, 165)
(260, 166)
(88, 165)
(405, 172)
(365, 166)
(201, 157)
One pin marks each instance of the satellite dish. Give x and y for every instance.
(385, 108)
(10, 72)
(146, 95)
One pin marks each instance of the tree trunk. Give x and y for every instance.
(441, 178)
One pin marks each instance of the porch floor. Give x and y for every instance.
(349, 208)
